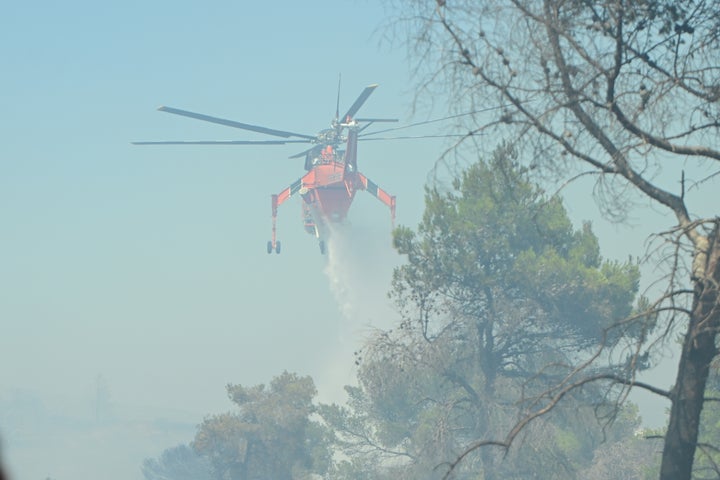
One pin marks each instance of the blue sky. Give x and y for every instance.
(108, 242)
(146, 265)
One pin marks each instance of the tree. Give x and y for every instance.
(621, 89)
(499, 252)
(272, 435)
(497, 287)
(707, 461)
(177, 463)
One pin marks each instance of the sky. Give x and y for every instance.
(135, 283)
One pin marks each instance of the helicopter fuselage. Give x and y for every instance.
(328, 189)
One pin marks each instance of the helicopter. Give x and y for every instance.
(328, 188)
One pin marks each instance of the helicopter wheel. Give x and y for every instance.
(269, 247)
(277, 247)
(322, 247)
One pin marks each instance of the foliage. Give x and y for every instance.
(624, 460)
(498, 294)
(177, 463)
(626, 91)
(498, 253)
(271, 435)
(707, 457)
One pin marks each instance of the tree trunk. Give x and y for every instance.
(698, 351)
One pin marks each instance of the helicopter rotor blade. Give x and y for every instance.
(222, 142)
(359, 102)
(377, 120)
(337, 103)
(425, 122)
(414, 137)
(303, 153)
(369, 122)
(234, 124)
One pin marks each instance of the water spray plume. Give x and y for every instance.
(358, 272)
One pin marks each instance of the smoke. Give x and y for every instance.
(359, 269)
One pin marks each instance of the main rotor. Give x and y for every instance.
(334, 136)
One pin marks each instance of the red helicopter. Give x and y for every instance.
(332, 179)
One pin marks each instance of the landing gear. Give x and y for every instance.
(270, 247)
(274, 243)
(323, 249)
